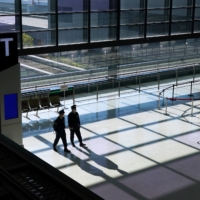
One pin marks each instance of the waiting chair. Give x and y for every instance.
(35, 105)
(44, 102)
(25, 107)
(55, 102)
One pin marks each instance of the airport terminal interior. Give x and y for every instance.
(132, 68)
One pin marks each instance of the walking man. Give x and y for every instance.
(59, 128)
(74, 126)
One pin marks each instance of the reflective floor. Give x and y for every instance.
(134, 151)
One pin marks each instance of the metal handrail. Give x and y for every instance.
(141, 73)
(178, 85)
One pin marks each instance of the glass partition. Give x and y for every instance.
(86, 64)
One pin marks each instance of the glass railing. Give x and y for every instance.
(95, 63)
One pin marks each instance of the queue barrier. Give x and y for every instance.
(182, 99)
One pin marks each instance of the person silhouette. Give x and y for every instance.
(74, 126)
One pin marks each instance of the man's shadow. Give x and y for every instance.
(102, 161)
(85, 166)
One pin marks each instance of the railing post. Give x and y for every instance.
(194, 73)
(119, 88)
(176, 77)
(173, 92)
(163, 97)
(74, 96)
(136, 80)
(36, 91)
(64, 97)
(139, 84)
(158, 78)
(191, 95)
(97, 92)
(166, 107)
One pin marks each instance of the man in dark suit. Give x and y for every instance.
(74, 126)
(59, 128)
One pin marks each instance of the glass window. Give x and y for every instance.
(132, 17)
(130, 32)
(181, 27)
(197, 13)
(9, 24)
(103, 18)
(197, 26)
(41, 22)
(157, 30)
(132, 4)
(158, 15)
(158, 4)
(72, 5)
(182, 3)
(37, 6)
(72, 20)
(7, 8)
(72, 36)
(103, 34)
(103, 5)
(42, 38)
(182, 14)
(197, 2)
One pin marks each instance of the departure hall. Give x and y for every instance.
(99, 99)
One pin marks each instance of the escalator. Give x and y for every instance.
(23, 176)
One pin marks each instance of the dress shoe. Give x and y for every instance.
(66, 150)
(73, 145)
(54, 148)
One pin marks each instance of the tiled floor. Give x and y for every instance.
(134, 151)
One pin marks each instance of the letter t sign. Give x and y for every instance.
(7, 49)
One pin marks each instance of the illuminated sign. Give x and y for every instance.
(8, 50)
(10, 106)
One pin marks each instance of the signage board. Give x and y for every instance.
(63, 88)
(8, 50)
(10, 106)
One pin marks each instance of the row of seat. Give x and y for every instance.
(40, 103)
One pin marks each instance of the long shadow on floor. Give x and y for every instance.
(88, 168)
(102, 161)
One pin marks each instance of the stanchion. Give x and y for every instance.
(74, 96)
(166, 107)
(159, 102)
(119, 87)
(192, 106)
(191, 95)
(97, 92)
(173, 92)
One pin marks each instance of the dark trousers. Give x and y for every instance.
(78, 134)
(62, 135)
